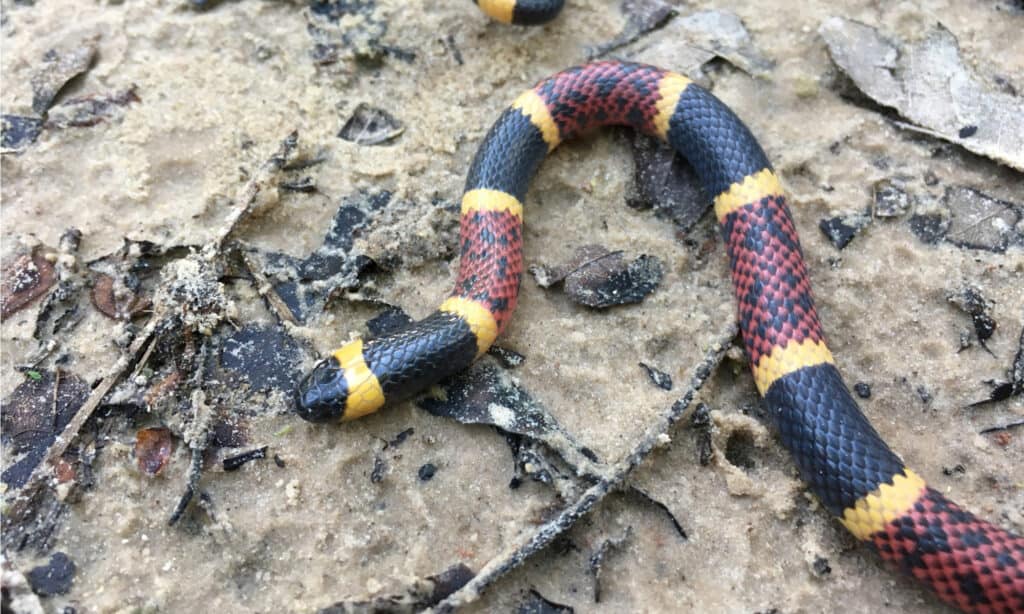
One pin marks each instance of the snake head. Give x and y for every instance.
(321, 396)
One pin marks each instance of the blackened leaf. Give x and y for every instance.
(665, 182)
(29, 424)
(643, 16)
(841, 230)
(265, 357)
(891, 199)
(19, 131)
(390, 320)
(419, 595)
(658, 378)
(487, 394)
(90, 110)
(53, 578)
(535, 603)
(371, 126)
(598, 278)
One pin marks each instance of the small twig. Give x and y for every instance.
(197, 435)
(195, 471)
(541, 536)
(266, 290)
(56, 394)
(250, 193)
(1004, 427)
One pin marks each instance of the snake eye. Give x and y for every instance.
(321, 396)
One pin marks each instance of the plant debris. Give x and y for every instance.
(32, 417)
(658, 378)
(535, 603)
(973, 303)
(642, 16)
(349, 30)
(422, 593)
(700, 421)
(233, 463)
(389, 320)
(891, 199)
(647, 498)
(87, 111)
(53, 578)
(598, 557)
(979, 221)
(665, 181)
(264, 357)
(19, 131)
(119, 299)
(598, 278)
(304, 286)
(59, 67)
(371, 126)
(1015, 386)
(487, 394)
(24, 280)
(531, 542)
(841, 230)
(153, 448)
(928, 84)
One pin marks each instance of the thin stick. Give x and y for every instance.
(544, 534)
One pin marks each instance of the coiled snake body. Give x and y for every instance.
(968, 562)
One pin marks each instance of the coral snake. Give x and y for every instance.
(521, 12)
(968, 562)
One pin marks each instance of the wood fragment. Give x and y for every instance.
(534, 541)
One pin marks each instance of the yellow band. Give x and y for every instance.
(491, 200)
(786, 359)
(752, 189)
(365, 395)
(670, 88)
(499, 10)
(532, 105)
(479, 318)
(881, 506)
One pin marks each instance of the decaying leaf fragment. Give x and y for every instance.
(599, 278)
(60, 66)
(927, 83)
(24, 280)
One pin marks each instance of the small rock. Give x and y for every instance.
(426, 472)
(862, 389)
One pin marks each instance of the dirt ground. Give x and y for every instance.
(345, 514)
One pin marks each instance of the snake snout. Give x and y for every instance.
(321, 396)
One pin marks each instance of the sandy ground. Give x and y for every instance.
(220, 88)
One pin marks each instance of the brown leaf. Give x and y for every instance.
(25, 280)
(153, 448)
(116, 301)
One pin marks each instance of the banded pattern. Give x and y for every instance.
(968, 562)
(521, 12)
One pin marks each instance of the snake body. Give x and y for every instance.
(521, 12)
(967, 561)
